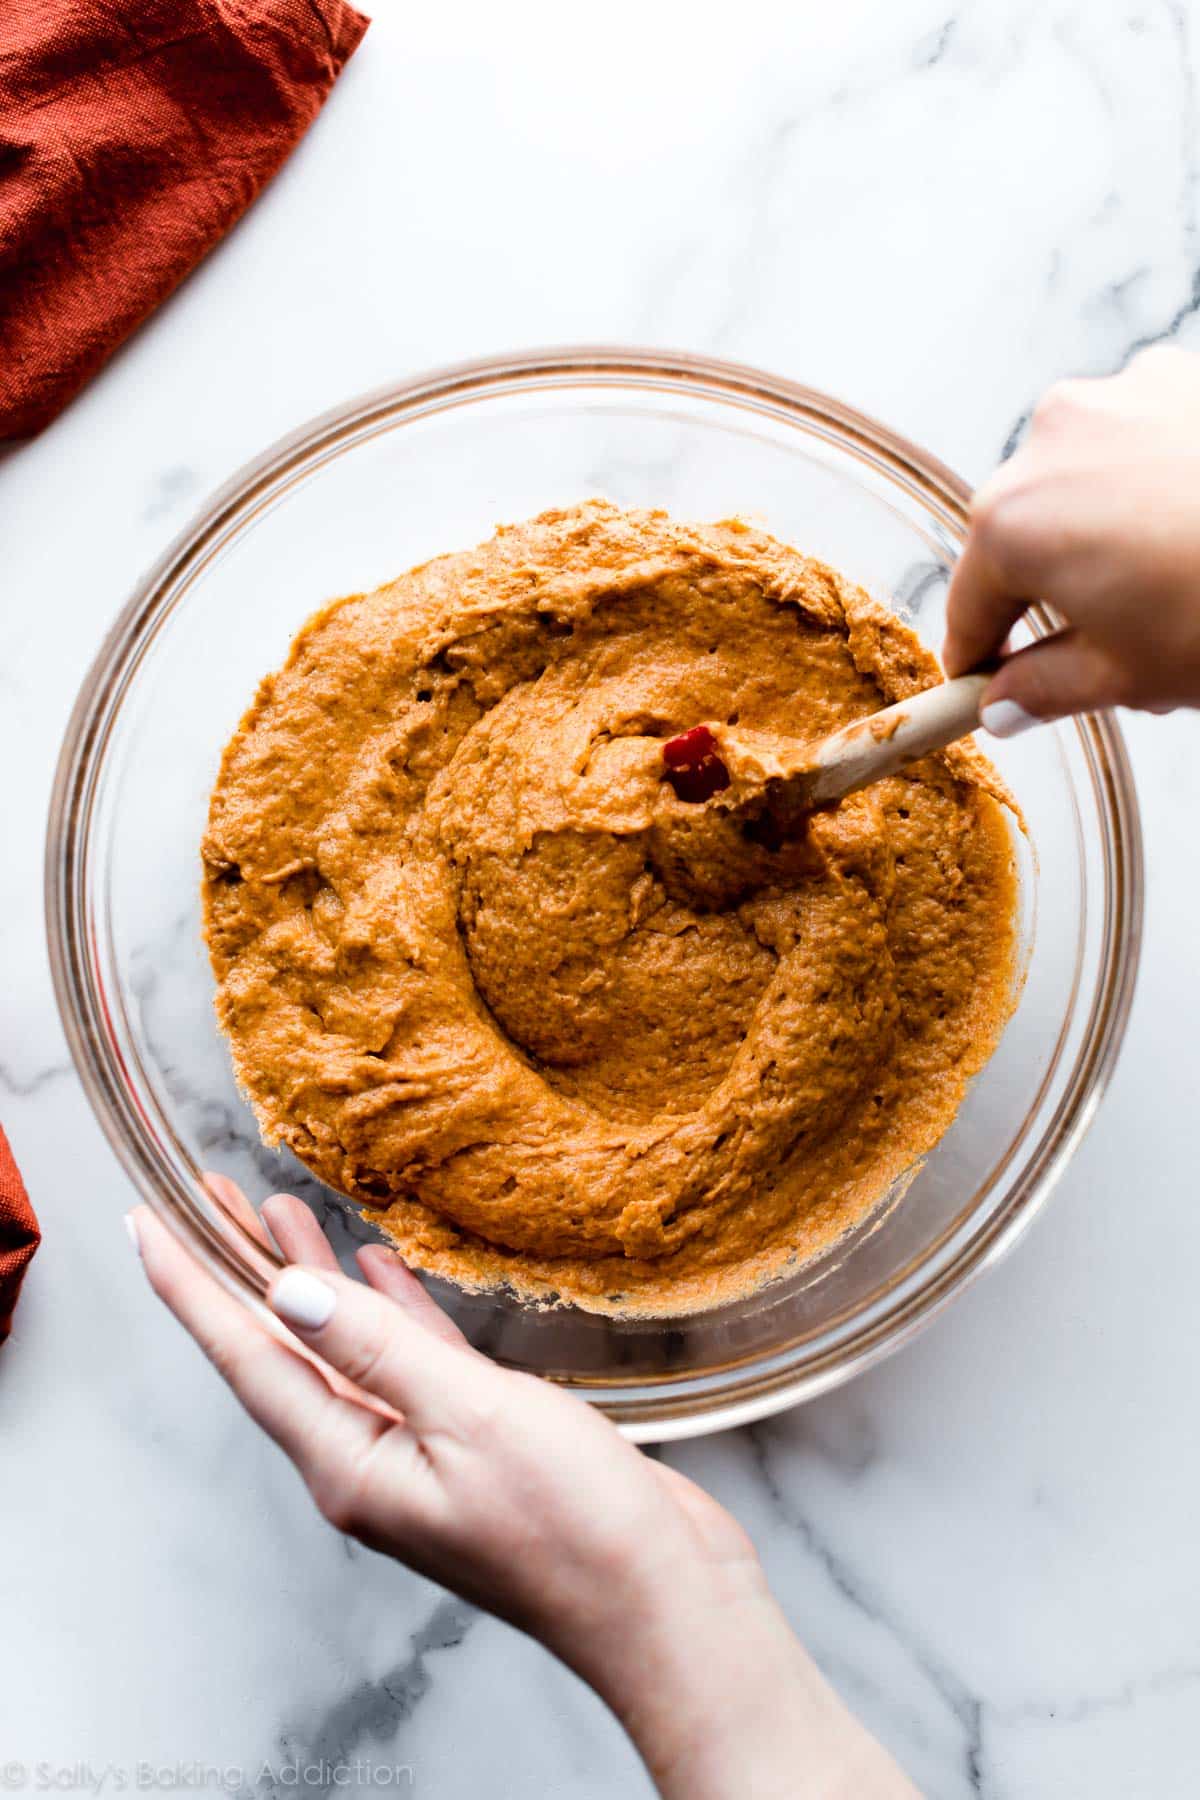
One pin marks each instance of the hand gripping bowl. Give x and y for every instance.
(434, 464)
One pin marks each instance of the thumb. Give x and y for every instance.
(1062, 674)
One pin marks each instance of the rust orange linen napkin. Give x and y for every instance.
(133, 133)
(19, 1234)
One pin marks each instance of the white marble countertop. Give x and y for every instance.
(990, 1542)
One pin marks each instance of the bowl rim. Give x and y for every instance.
(83, 1008)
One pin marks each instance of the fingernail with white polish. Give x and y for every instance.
(1004, 718)
(132, 1229)
(300, 1299)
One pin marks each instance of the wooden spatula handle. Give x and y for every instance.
(871, 748)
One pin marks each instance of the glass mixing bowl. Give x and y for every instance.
(433, 465)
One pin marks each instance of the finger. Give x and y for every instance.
(297, 1232)
(230, 1198)
(981, 610)
(384, 1350)
(1060, 675)
(301, 1239)
(280, 1390)
(389, 1274)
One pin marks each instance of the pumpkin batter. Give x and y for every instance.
(548, 1023)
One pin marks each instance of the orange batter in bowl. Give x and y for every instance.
(485, 973)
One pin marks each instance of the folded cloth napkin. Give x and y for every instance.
(19, 1234)
(133, 133)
